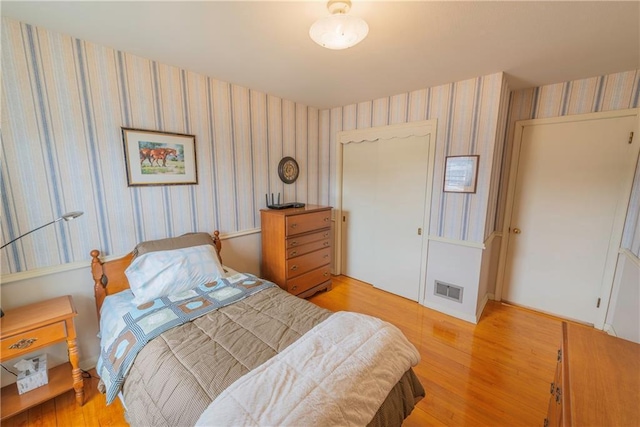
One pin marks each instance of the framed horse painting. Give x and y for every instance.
(159, 158)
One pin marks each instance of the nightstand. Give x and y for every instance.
(34, 327)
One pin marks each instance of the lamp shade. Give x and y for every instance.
(71, 215)
(339, 30)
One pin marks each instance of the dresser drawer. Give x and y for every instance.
(304, 263)
(296, 241)
(298, 224)
(32, 340)
(305, 249)
(309, 280)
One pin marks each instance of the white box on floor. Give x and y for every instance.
(30, 379)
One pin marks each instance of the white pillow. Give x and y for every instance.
(157, 274)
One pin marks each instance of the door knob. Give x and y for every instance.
(517, 231)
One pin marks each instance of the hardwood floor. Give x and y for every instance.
(491, 374)
(63, 410)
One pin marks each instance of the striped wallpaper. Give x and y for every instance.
(604, 93)
(469, 114)
(64, 101)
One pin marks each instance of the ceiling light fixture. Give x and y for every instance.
(339, 30)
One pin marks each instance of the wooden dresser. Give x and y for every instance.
(296, 248)
(597, 381)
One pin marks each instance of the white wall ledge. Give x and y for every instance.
(45, 271)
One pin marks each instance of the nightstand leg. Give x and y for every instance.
(78, 383)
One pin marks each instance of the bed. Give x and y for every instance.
(256, 352)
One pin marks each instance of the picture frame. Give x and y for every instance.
(159, 158)
(461, 174)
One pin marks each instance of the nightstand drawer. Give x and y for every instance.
(309, 280)
(294, 242)
(302, 264)
(309, 247)
(32, 340)
(297, 224)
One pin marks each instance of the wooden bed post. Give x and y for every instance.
(108, 277)
(218, 243)
(99, 279)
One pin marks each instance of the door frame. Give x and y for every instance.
(417, 128)
(615, 241)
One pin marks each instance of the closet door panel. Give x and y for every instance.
(360, 237)
(400, 193)
(384, 190)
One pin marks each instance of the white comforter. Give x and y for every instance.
(338, 373)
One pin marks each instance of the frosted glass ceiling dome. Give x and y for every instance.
(339, 30)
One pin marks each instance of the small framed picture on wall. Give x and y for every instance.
(159, 158)
(461, 174)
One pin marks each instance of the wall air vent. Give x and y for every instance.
(448, 291)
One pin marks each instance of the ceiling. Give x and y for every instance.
(264, 45)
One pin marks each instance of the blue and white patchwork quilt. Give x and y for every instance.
(125, 328)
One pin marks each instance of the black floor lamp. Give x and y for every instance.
(67, 217)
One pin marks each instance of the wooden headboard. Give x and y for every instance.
(109, 277)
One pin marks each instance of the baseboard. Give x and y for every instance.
(88, 364)
(455, 313)
(609, 330)
(486, 299)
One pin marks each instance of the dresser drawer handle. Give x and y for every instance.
(293, 243)
(326, 256)
(294, 253)
(325, 235)
(294, 267)
(326, 273)
(326, 219)
(23, 343)
(326, 243)
(294, 287)
(294, 225)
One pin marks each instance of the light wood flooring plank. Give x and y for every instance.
(494, 373)
(43, 415)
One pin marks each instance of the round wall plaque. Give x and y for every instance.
(288, 170)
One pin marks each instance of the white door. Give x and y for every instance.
(570, 197)
(359, 204)
(383, 203)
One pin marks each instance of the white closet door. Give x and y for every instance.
(359, 204)
(384, 190)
